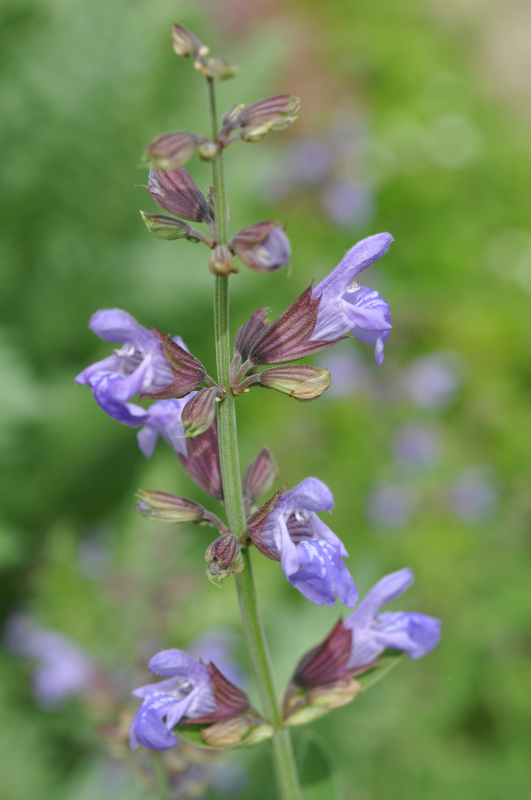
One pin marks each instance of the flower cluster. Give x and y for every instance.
(196, 699)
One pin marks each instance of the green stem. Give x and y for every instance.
(282, 752)
(160, 777)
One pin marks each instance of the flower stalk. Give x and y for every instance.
(282, 752)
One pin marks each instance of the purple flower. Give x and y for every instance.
(263, 247)
(416, 446)
(310, 553)
(187, 691)
(372, 633)
(138, 367)
(432, 381)
(63, 669)
(347, 307)
(348, 202)
(473, 494)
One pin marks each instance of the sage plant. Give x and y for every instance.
(195, 414)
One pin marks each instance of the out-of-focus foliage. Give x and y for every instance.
(85, 85)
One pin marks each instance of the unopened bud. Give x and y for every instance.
(202, 66)
(221, 261)
(239, 730)
(300, 381)
(263, 247)
(177, 193)
(224, 557)
(221, 68)
(185, 43)
(165, 507)
(303, 706)
(166, 227)
(208, 150)
(230, 118)
(198, 414)
(272, 114)
(259, 476)
(171, 150)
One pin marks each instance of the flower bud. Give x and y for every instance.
(221, 68)
(259, 477)
(166, 227)
(239, 730)
(207, 150)
(198, 414)
(171, 150)
(263, 247)
(302, 707)
(230, 117)
(176, 192)
(221, 261)
(185, 43)
(322, 680)
(250, 332)
(224, 558)
(272, 114)
(300, 381)
(165, 507)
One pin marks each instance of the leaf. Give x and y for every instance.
(319, 774)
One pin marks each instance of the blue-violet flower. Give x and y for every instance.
(347, 307)
(372, 633)
(187, 691)
(287, 529)
(138, 367)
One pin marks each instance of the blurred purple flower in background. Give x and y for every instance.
(417, 447)
(347, 202)
(63, 669)
(348, 372)
(372, 633)
(433, 381)
(473, 494)
(390, 505)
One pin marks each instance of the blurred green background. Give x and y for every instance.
(428, 106)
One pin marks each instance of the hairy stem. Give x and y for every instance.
(282, 753)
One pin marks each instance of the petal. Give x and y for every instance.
(323, 575)
(148, 726)
(311, 494)
(387, 589)
(133, 384)
(289, 558)
(168, 686)
(358, 258)
(323, 533)
(115, 325)
(332, 322)
(102, 385)
(176, 663)
(147, 439)
(109, 364)
(416, 634)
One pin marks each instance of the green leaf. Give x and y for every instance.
(192, 735)
(319, 775)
